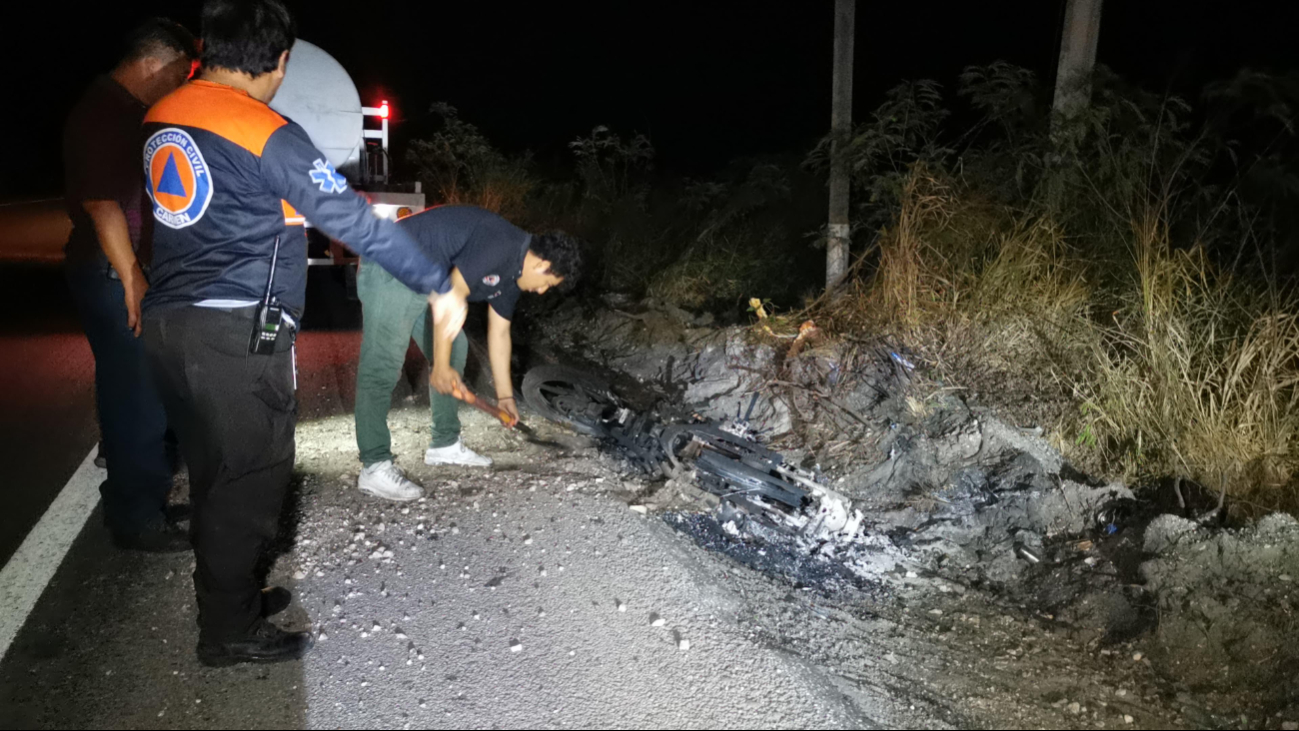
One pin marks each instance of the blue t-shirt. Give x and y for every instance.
(487, 249)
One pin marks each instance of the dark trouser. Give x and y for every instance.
(131, 416)
(391, 315)
(234, 414)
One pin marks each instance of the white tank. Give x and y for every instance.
(318, 94)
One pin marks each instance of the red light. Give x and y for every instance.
(383, 110)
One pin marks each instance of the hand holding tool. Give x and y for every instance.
(503, 416)
(487, 408)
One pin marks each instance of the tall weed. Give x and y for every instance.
(1197, 375)
(1077, 261)
(457, 164)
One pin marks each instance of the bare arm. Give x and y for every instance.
(499, 347)
(448, 319)
(115, 240)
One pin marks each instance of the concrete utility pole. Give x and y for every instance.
(836, 251)
(1082, 29)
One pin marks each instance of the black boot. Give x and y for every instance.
(177, 512)
(275, 599)
(162, 539)
(264, 643)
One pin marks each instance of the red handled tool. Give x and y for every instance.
(496, 412)
(490, 409)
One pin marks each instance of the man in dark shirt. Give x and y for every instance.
(492, 261)
(106, 258)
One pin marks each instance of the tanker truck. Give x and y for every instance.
(318, 94)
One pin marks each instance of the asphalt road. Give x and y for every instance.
(524, 595)
(47, 412)
(47, 426)
(47, 377)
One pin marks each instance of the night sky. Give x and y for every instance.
(706, 81)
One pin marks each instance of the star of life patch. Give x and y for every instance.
(329, 179)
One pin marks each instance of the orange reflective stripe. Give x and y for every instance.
(291, 215)
(222, 110)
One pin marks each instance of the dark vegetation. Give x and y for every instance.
(1124, 278)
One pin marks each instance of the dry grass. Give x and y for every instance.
(914, 275)
(721, 270)
(504, 194)
(698, 277)
(1194, 374)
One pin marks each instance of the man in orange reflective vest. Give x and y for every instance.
(229, 283)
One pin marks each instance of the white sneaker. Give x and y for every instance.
(386, 480)
(457, 453)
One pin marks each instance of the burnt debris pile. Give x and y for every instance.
(953, 499)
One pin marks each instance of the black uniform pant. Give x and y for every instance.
(132, 422)
(234, 414)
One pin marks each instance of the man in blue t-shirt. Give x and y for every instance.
(490, 260)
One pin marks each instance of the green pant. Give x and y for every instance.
(392, 315)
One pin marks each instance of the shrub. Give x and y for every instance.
(457, 164)
(1078, 260)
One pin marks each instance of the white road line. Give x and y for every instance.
(24, 578)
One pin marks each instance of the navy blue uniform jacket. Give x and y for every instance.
(227, 176)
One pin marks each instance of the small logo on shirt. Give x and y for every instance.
(177, 178)
(328, 178)
(491, 280)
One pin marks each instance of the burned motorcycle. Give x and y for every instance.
(726, 460)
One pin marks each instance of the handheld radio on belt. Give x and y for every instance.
(270, 315)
